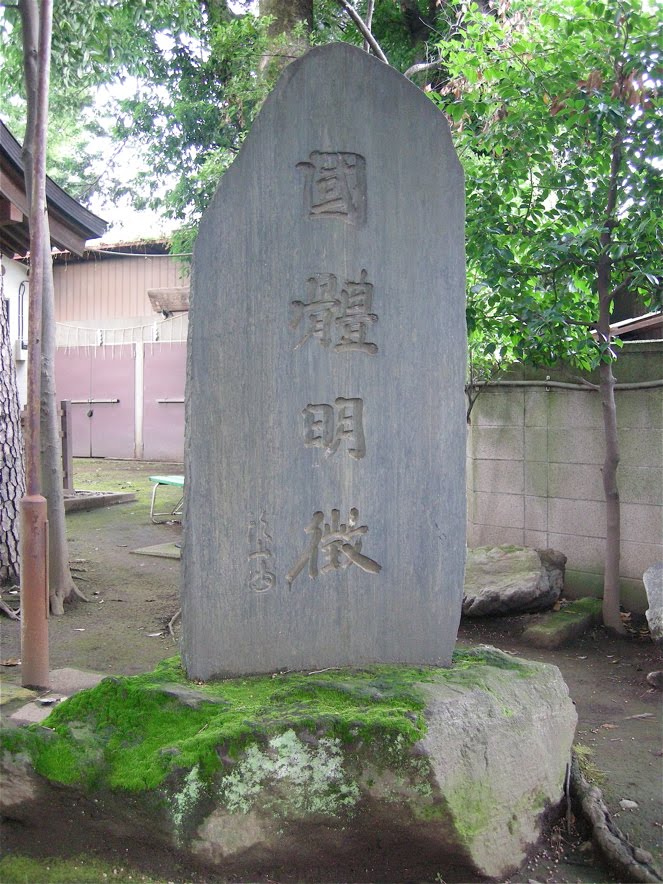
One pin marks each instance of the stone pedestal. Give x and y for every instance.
(386, 775)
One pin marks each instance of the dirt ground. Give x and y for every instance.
(124, 630)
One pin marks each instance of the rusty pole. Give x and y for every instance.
(34, 524)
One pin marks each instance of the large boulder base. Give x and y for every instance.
(653, 580)
(511, 580)
(386, 774)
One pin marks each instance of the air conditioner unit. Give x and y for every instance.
(20, 351)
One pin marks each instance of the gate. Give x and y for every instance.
(163, 402)
(100, 384)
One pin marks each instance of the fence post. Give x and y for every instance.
(67, 442)
(67, 445)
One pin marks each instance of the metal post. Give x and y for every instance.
(34, 592)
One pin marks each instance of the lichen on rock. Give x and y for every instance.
(291, 779)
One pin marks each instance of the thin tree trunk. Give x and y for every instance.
(611, 593)
(60, 580)
(61, 584)
(12, 477)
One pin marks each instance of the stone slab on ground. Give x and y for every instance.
(511, 580)
(10, 692)
(557, 628)
(161, 550)
(30, 713)
(388, 774)
(90, 500)
(68, 681)
(63, 683)
(653, 580)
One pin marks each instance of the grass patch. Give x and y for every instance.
(81, 870)
(585, 756)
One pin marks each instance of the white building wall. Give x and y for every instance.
(14, 274)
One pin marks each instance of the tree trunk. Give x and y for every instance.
(61, 584)
(611, 617)
(286, 14)
(284, 45)
(60, 580)
(12, 479)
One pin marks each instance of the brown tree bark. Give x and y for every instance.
(61, 584)
(12, 477)
(286, 14)
(284, 45)
(611, 593)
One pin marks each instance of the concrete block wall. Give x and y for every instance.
(534, 474)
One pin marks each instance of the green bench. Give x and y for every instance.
(171, 515)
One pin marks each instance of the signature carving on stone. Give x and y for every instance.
(332, 316)
(326, 426)
(337, 542)
(335, 186)
(260, 555)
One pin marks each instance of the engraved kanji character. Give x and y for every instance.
(349, 427)
(260, 578)
(339, 543)
(335, 186)
(326, 427)
(318, 426)
(319, 311)
(354, 316)
(310, 557)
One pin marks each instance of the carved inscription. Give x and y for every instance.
(338, 543)
(326, 426)
(355, 316)
(260, 556)
(335, 186)
(340, 317)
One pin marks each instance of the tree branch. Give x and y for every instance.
(422, 66)
(365, 32)
(621, 288)
(369, 21)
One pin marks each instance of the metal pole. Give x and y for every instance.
(34, 592)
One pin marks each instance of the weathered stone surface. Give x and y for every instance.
(560, 627)
(499, 754)
(511, 580)
(325, 441)
(465, 801)
(653, 580)
(18, 783)
(10, 692)
(68, 681)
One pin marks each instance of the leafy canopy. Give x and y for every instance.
(550, 107)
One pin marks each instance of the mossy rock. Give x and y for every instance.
(279, 769)
(558, 628)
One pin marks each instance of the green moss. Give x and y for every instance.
(25, 870)
(575, 612)
(471, 808)
(133, 732)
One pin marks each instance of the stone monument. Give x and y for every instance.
(325, 440)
